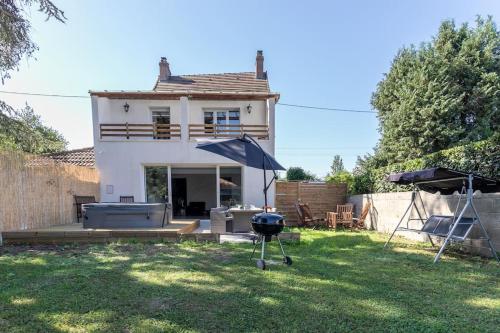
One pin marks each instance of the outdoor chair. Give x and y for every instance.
(127, 198)
(79, 201)
(344, 215)
(331, 220)
(359, 222)
(306, 218)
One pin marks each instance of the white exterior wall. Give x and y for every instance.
(121, 162)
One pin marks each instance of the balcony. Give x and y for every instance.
(170, 131)
(220, 131)
(154, 131)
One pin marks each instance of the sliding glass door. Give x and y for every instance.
(230, 186)
(156, 183)
(194, 190)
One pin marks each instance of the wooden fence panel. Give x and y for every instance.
(320, 197)
(38, 192)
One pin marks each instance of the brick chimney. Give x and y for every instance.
(259, 67)
(164, 69)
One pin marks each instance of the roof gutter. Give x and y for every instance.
(173, 95)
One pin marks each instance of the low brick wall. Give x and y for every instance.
(387, 209)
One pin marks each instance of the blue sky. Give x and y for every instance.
(321, 53)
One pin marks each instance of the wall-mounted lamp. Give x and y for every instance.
(249, 108)
(126, 107)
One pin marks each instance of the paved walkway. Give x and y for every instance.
(229, 238)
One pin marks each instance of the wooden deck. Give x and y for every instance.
(176, 230)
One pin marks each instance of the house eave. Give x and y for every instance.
(195, 95)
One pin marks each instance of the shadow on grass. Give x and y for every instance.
(339, 281)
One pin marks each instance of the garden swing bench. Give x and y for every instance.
(453, 228)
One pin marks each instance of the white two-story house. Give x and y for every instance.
(145, 140)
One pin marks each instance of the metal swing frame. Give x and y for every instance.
(469, 204)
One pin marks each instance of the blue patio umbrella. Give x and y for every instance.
(246, 151)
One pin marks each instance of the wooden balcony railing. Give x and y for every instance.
(227, 131)
(155, 131)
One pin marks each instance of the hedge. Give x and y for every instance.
(481, 157)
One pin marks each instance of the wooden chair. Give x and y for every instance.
(306, 217)
(359, 222)
(79, 201)
(331, 220)
(127, 198)
(344, 215)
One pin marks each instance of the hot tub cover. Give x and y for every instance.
(444, 180)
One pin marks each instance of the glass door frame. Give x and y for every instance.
(169, 178)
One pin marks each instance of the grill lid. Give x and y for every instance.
(267, 218)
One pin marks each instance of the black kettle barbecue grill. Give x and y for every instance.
(267, 225)
(247, 151)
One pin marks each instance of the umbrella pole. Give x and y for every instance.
(265, 185)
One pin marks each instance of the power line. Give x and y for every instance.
(284, 104)
(40, 94)
(329, 109)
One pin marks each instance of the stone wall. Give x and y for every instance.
(387, 209)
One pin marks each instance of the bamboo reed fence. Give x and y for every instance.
(38, 192)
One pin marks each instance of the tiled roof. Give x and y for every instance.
(244, 82)
(81, 157)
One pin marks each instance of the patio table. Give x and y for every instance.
(241, 218)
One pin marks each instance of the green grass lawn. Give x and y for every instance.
(339, 281)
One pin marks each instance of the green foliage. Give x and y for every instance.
(337, 165)
(15, 30)
(482, 157)
(442, 94)
(341, 177)
(297, 173)
(362, 183)
(23, 130)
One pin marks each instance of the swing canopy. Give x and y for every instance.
(444, 180)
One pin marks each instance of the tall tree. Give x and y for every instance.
(442, 94)
(337, 165)
(22, 129)
(297, 173)
(15, 31)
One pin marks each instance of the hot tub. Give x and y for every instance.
(124, 215)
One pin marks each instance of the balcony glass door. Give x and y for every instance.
(218, 122)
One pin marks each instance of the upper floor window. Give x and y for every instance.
(221, 120)
(160, 115)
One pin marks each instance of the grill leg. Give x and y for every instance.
(255, 247)
(263, 248)
(281, 246)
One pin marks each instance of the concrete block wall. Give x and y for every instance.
(387, 209)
